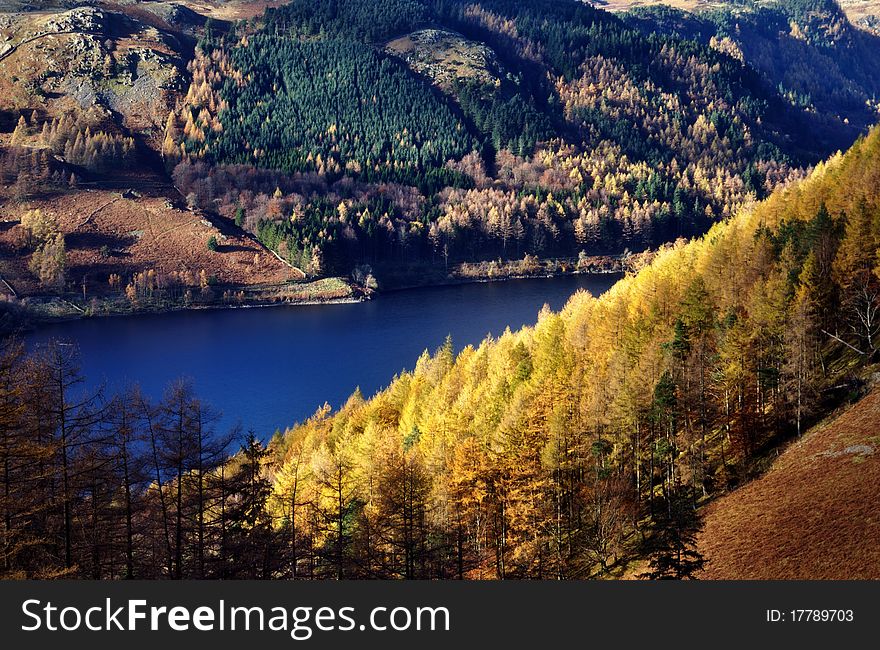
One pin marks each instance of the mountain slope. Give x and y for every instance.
(85, 93)
(544, 128)
(806, 49)
(812, 516)
(91, 57)
(568, 448)
(862, 13)
(412, 136)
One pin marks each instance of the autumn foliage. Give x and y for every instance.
(594, 137)
(544, 452)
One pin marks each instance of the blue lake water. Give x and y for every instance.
(268, 368)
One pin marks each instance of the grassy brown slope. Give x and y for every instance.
(106, 233)
(814, 515)
(119, 68)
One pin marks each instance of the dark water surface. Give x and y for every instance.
(268, 368)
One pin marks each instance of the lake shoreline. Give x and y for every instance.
(455, 281)
(30, 318)
(31, 312)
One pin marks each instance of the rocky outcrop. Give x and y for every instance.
(80, 19)
(101, 59)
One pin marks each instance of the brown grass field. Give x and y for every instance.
(106, 233)
(814, 515)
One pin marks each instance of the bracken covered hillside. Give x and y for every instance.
(813, 516)
(85, 93)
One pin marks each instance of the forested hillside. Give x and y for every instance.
(310, 124)
(550, 128)
(400, 142)
(807, 49)
(581, 447)
(559, 450)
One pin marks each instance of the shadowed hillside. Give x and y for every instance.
(807, 49)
